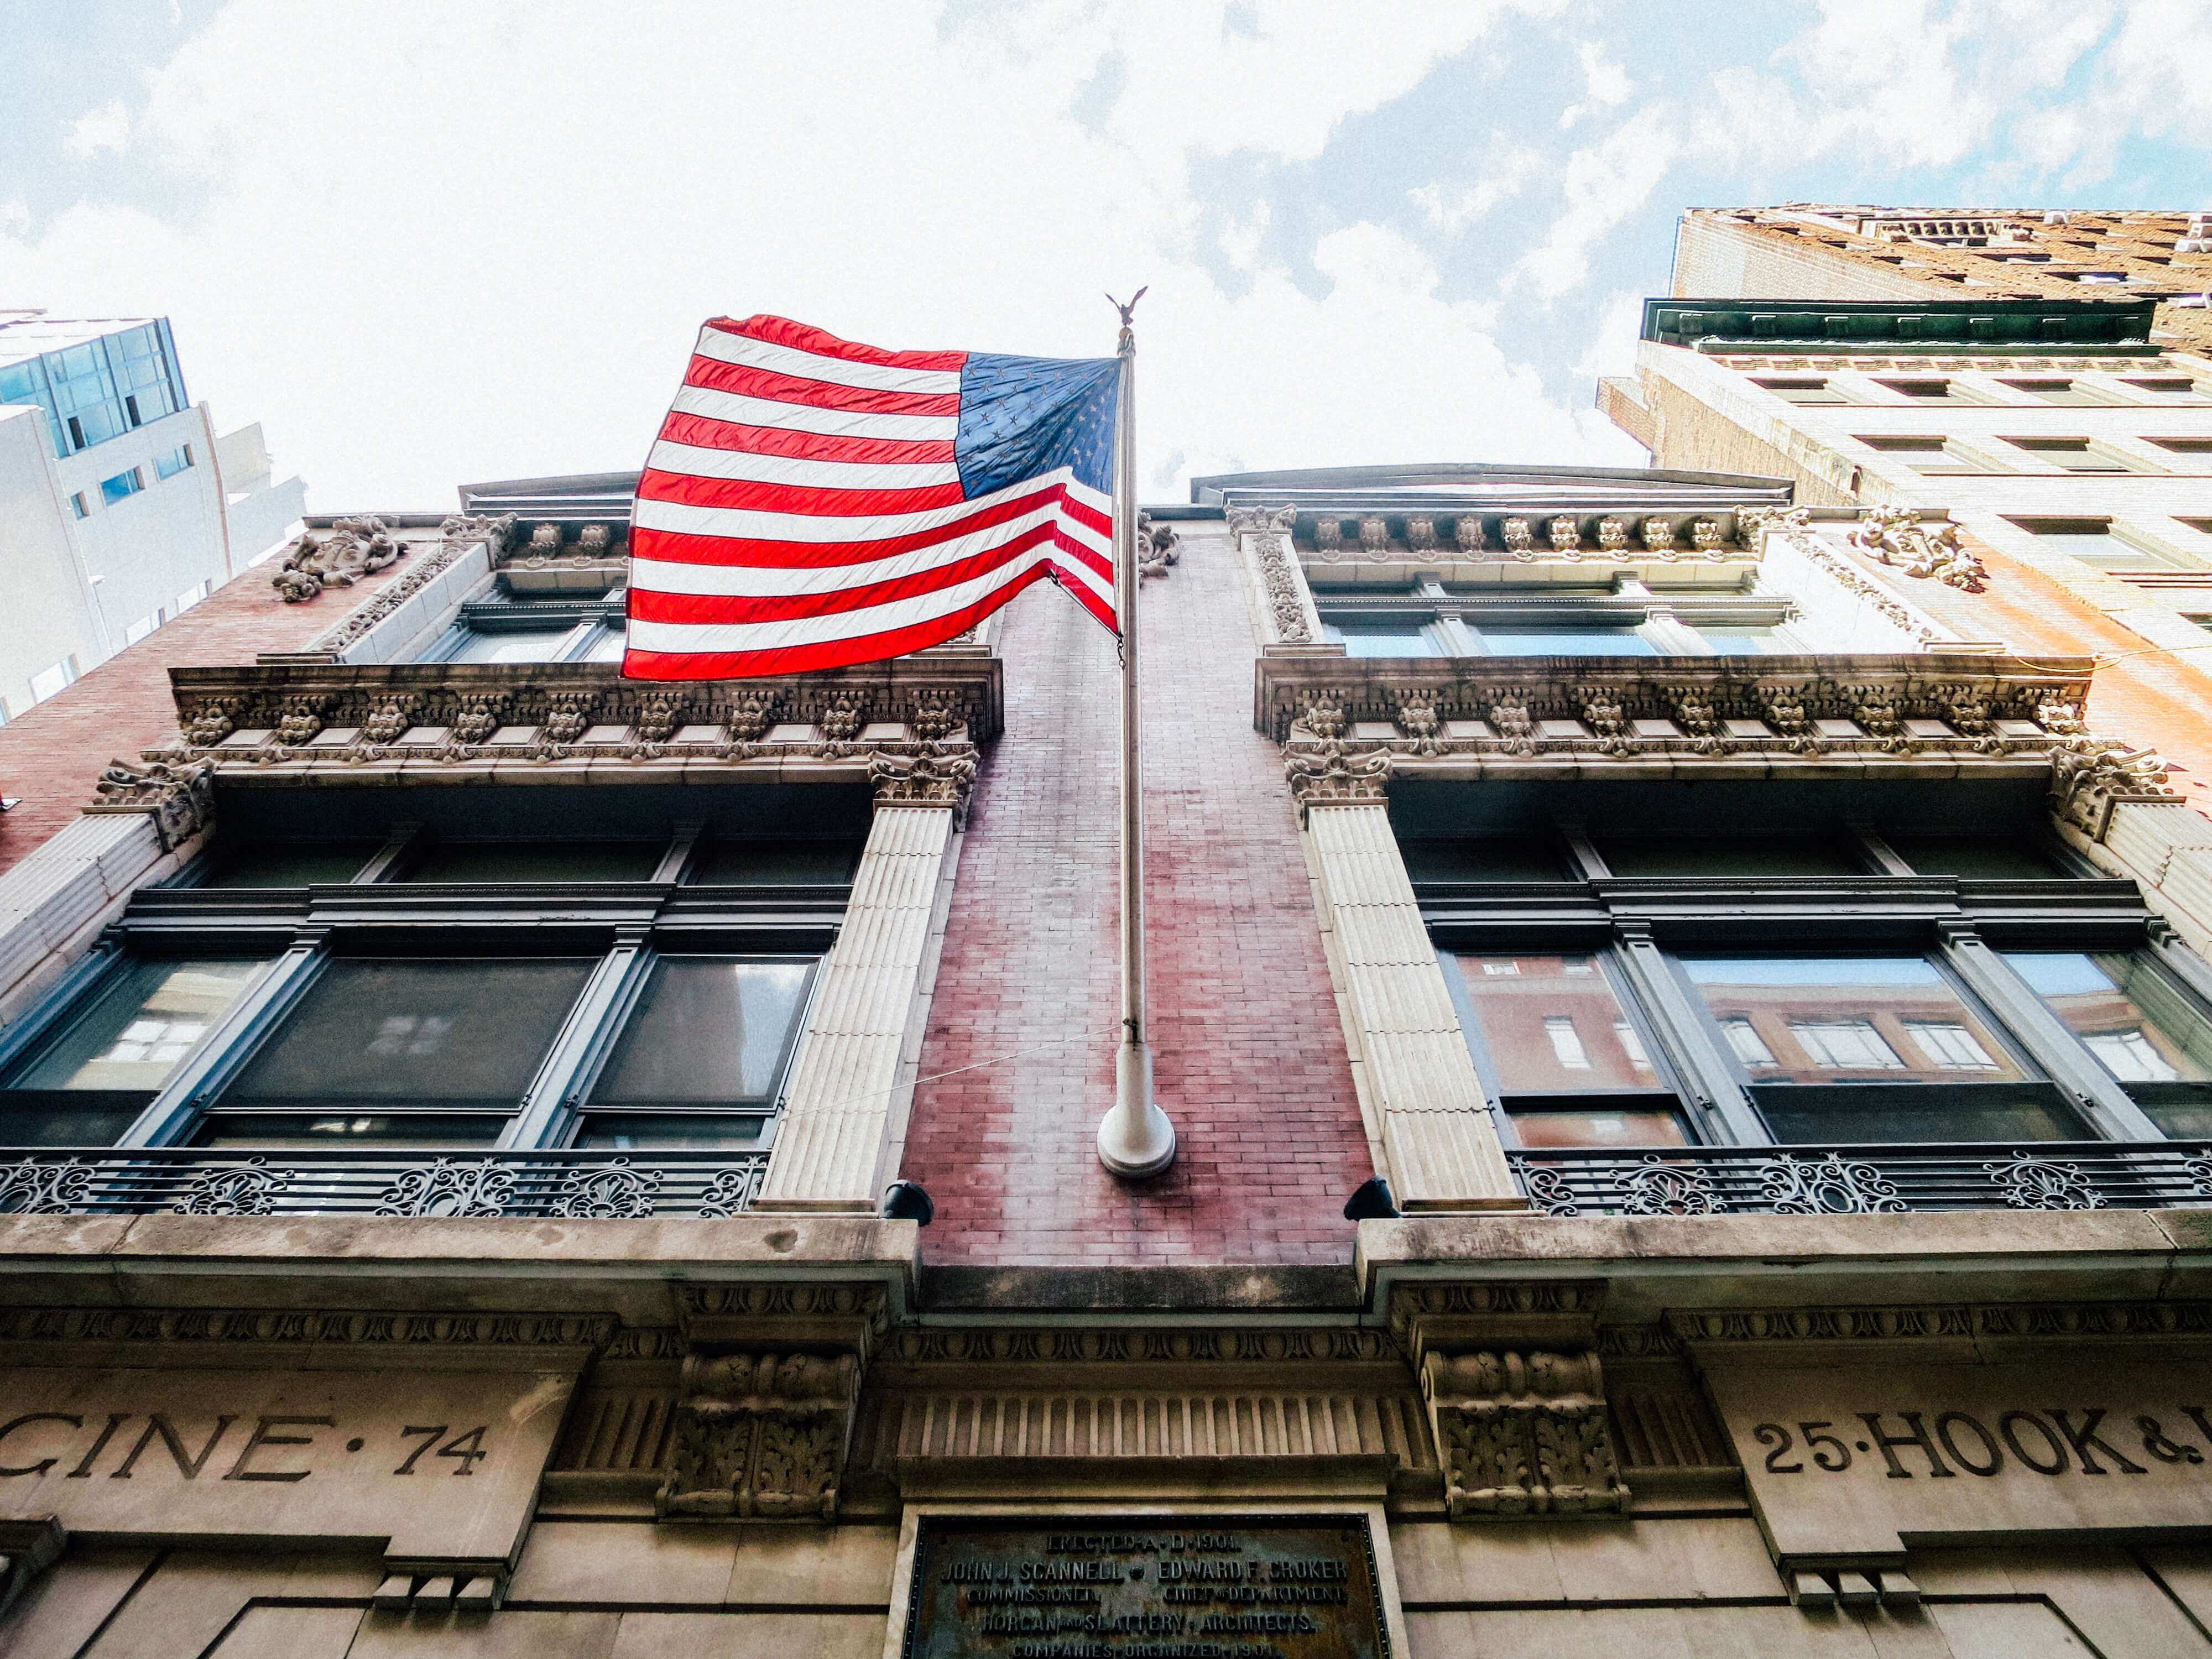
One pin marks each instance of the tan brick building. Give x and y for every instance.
(451, 1093)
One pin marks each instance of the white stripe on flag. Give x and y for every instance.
(750, 525)
(695, 462)
(806, 418)
(808, 366)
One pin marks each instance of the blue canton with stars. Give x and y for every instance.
(1021, 416)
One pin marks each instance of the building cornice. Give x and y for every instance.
(2117, 326)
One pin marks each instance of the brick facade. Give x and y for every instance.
(51, 758)
(1248, 1046)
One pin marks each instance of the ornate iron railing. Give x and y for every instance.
(377, 1182)
(1865, 1180)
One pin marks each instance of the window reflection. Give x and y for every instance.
(1553, 1022)
(1783, 1019)
(138, 1028)
(2140, 1025)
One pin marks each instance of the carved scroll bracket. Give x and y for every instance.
(180, 796)
(1523, 1434)
(760, 1436)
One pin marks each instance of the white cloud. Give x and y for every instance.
(1612, 347)
(1501, 172)
(107, 127)
(1608, 82)
(415, 276)
(1600, 186)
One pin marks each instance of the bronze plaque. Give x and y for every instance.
(1116, 1588)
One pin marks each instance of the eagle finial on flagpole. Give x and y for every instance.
(1128, 340)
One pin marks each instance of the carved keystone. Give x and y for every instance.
(1523, 1434)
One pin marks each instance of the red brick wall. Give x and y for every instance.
(1249, 1051)
(51, 756)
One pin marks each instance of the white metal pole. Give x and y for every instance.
(1135, 1139)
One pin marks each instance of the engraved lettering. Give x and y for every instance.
(1775, 1436)
(83, 1470)
(2083, 1438)
(1916, 1435)
(2155, 1443)
(2054, 1448)
(430, 1438)
(1818, 1443)
(44, 1464)
(261, 1438)
(1992, 1453)
(189, 1467)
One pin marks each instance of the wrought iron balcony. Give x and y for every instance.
(378, 1182)
(1866, 1180)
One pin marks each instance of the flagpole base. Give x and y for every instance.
(1135, 1139)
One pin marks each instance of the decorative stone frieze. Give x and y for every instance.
(1523, 1434)
(370, 718)
(760, 1436)
(337, 557)
(1966, 709)
(179, 796)
(1268, 531)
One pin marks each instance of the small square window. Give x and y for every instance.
(1929, 391)
(1931, 455)
(2168, 388)
(80, 506)
(53, 681)
(2074, 454)
(2094, 542)
(2070, 393)
(1805, 391)
(122, 486)
(2184, 446)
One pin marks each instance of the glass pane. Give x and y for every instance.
(2002, 858)
(1528, 857)
(607, 645)
(289, 863)
(70, 1117)
(776, 863)
(1597, 1128)
(1380, 639)
(708, 1030)
(2182, 1119)
(1744, 641)
(2130, 1015)
(511, 645)
(1552, 1023)
(1816, 1117)
(424, 1033)
(1572, 642)
(537, 860)
(290, 1133)
(1728, 855)
(710, 1135)
(139, 1025)
(1851, 1019)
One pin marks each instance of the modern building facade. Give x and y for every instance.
(455, 1097)
(120, 507)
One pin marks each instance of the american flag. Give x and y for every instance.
(812, 504)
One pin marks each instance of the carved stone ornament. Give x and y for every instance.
(1613, 533)
(1270, 529)
(1421, 534)
(337, 557)
(943, 778)
(180, 796)
(1328, 533)
(1705, 535)
(1520, 537)
(1334, 779)
(1374, 536)
(1158, 546)
(1566, 536)
(1523, 1434)
(2086, 782)
(455, 536)
(1467, 530)
(760, 1436)
(1895, 535)
(1658, 536)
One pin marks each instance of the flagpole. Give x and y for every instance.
(1135, 1139)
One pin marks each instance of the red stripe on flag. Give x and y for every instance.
(750, 495)
(781, 330)
(718, 376)
(705, 432)
(830, 654)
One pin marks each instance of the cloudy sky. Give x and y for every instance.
(430, 241)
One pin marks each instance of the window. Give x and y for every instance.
(1849, 1045)
(1569, 642)
(2184, 446)
(2166, 388)
(1979, 858)
(774, 863)
(1802, 391)
(2140, 1024)
(1931, 455)
(79, 506)
(1724, 856)
(1749, 641)
(701, 1059)
(436, 1052)
(91, 1073)
(122, 485)
(168, 465)
(2094, 542)
(53, 681)
(2074, 454)
(1931, 392)
(139, 629)
(503, 861)
(1949, 1045)
(1558, 1050)
(1381, 638)
(291, 862)
(2071, 393)
(508, 626)
(192, 596)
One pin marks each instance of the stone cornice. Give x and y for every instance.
(342, 720)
